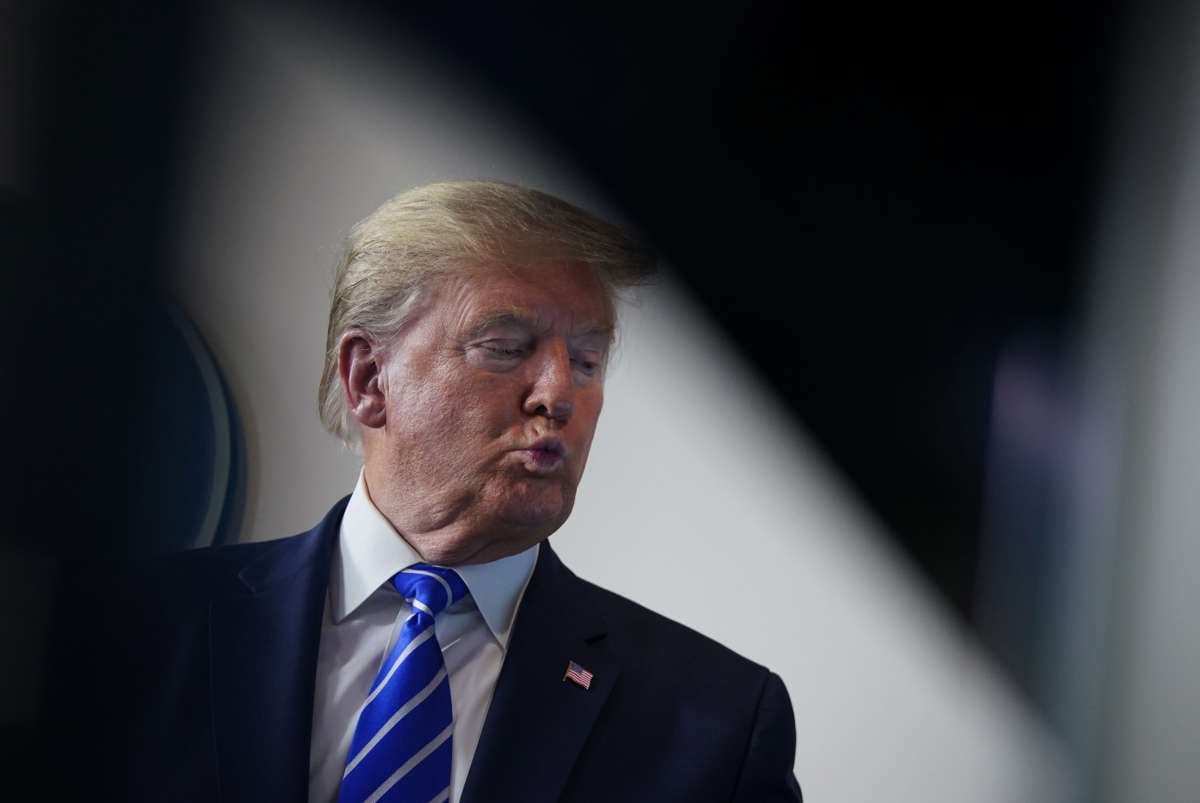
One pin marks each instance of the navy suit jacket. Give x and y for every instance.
(196, 680)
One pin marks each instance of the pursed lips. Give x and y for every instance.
(543, 455)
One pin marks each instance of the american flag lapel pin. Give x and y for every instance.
(578, 675)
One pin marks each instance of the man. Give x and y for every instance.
(424, 642)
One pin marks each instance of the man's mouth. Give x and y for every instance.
(544, 456)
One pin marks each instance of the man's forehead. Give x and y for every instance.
(538, 295)
(485, 318)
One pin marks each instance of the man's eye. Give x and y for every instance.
(586, 366)
(503, 349)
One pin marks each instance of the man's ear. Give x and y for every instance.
(360, 365)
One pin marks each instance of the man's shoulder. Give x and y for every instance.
(206, 570)
(670, 690)
(196, 576)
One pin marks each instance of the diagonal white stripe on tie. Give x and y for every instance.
(402, 743)
(396, 717)
(417, 642)
(435, 576)
(408, 766)
(421, 606)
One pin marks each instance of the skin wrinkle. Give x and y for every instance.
(498, 360)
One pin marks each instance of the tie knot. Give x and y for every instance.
(431, 588)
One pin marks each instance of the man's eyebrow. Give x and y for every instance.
(595, 329)
(499, 318)
(506, 317)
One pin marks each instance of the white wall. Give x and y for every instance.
(736, 525)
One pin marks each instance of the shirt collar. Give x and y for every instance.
(370, 551)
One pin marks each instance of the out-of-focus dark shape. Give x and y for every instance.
(1031, 450)
(101, 87)
(1088, 591)
(192, 488)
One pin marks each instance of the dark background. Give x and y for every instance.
(872, 200)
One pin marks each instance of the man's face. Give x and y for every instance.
(492, 393)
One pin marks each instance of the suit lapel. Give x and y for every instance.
(538, 722)
(264, 640)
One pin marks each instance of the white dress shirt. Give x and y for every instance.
(363, 617)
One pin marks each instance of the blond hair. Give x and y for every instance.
(435, 229)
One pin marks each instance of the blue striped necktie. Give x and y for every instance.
(401, 748)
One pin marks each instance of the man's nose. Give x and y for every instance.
(552, 393)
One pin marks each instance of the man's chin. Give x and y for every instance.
(500, 535)
(525, 511)
(538, 517)
(535, 525)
